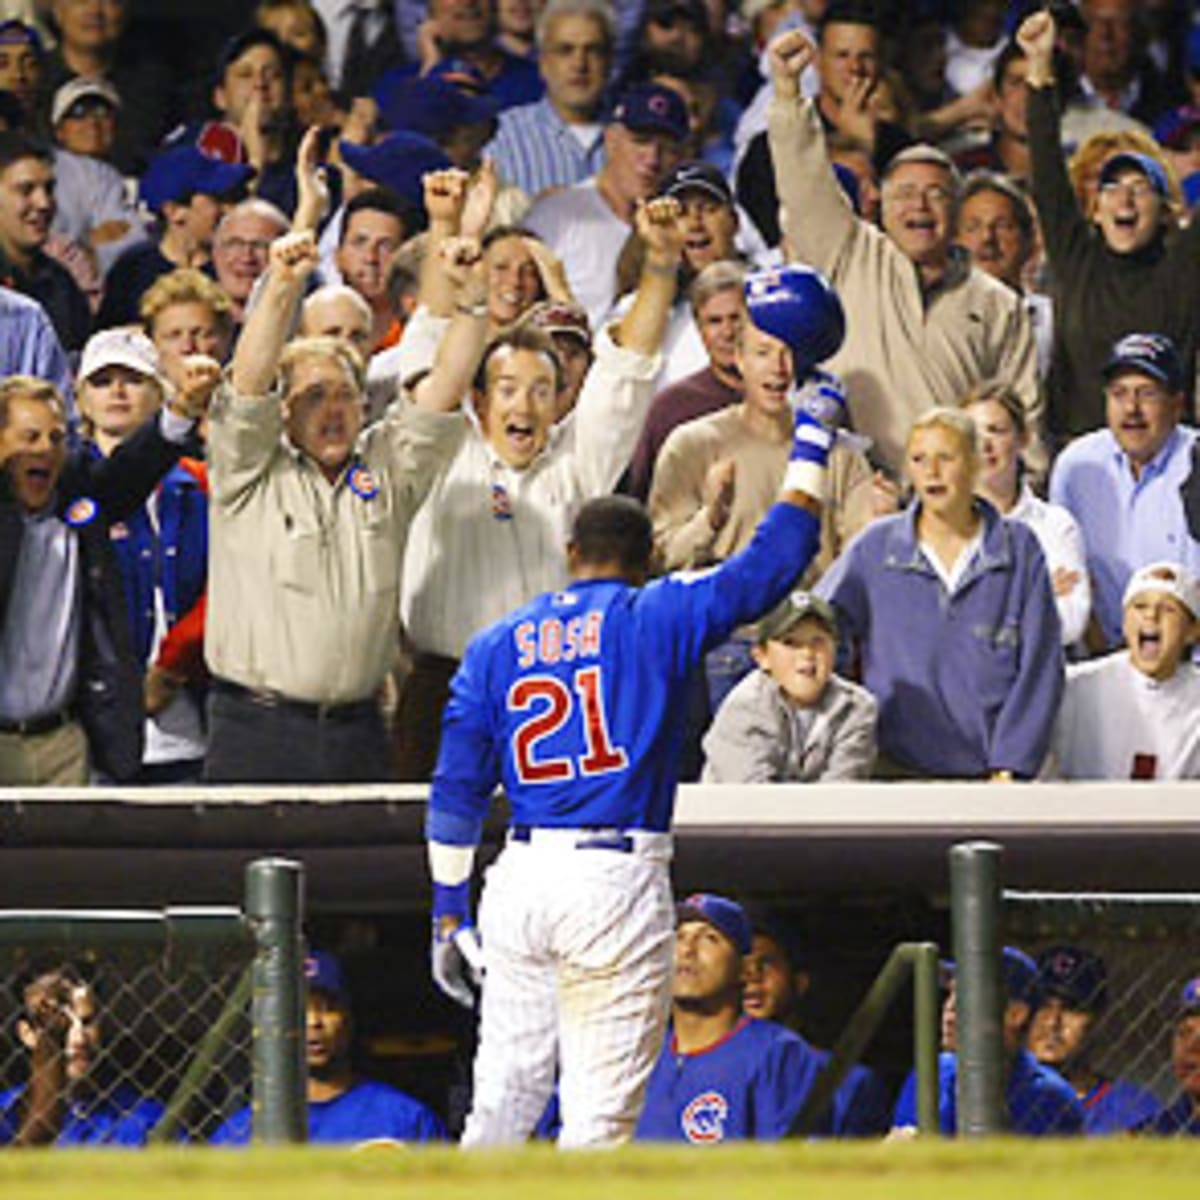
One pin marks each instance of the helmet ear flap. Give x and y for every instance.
(797, 305)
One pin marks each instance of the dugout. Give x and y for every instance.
(855, 868)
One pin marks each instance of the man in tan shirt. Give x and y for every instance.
(716, 477)
(922, 325)
(309, 519)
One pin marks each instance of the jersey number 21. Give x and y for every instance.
(551, 706)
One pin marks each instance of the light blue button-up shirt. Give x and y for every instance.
(1126, 522)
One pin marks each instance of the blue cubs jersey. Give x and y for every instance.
(120, 1117)
(1041, 1103)
(750, 1084)
(367, 1110)
(1115, 1105)
(862, 1105)
(575, 701)
(1178, 1119)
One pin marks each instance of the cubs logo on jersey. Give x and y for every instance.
(703, 1120)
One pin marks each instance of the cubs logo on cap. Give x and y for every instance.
(703, 1120)
(362, 483)
(81, 512)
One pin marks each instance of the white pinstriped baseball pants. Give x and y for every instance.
(579, 945)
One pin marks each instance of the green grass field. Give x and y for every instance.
(997, 1170)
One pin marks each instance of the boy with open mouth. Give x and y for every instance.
(1132, 714)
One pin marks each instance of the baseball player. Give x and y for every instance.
(1039, 1101)
(722, 1075)
(1063, 1035)
(573, 702)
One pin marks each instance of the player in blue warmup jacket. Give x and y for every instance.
(1074, 994)
(1181, 1118)
(70, 1098)
(722, 1075)
(342, 1106)
(574, 703)
(1040, 1102)
(772, 990)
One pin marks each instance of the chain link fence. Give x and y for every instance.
(131, 1028)
(1114, 973)
(1114, 984)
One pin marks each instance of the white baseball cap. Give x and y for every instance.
(1167, 577)
(125, 346)
(78, 88)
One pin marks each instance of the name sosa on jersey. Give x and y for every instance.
(546, 698)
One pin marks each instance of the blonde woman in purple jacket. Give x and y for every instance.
(949, 609)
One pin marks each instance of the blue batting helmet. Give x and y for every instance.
(798, 306)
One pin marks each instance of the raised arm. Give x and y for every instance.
(817, 219)
(657, 223)
(445, 200)
(460, 263)
(293, 258)
(312, 188)
(1058, 210)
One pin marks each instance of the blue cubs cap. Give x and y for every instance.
(1020, 975)
(323, 973)
(1128, 160)
(725, 916)
(398, 162)
(1075, 976)
(652, 108)
(1153, 354)
(798, 306)
(433, 105)
(184, 171)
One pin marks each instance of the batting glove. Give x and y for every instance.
(456, 956)
(457, 963)
(823, 397)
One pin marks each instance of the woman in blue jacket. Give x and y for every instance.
(950, 610)
(161, 549)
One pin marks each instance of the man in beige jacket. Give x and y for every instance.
(923, 325)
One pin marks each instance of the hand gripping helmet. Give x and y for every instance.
(798, 306)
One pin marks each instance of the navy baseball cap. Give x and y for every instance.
(1127, 160)
(1020, 975)
(1189, 999)
(398, 162)
(652, 108)
(432, 105)
(1153, 354)
(1075, 976)
(725, 916)
(323, 973)
(666, 11)
(697, 176)
(186, 170)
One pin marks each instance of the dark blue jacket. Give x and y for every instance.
(173, 557)
(109, 691)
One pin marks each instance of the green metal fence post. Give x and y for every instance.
(274, 906)
(975, 915)
(926, 1030)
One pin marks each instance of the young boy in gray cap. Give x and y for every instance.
(793, 720)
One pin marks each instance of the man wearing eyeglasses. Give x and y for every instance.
(241, 243)
(310, 513)
(923, 325)
(1123, 483)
